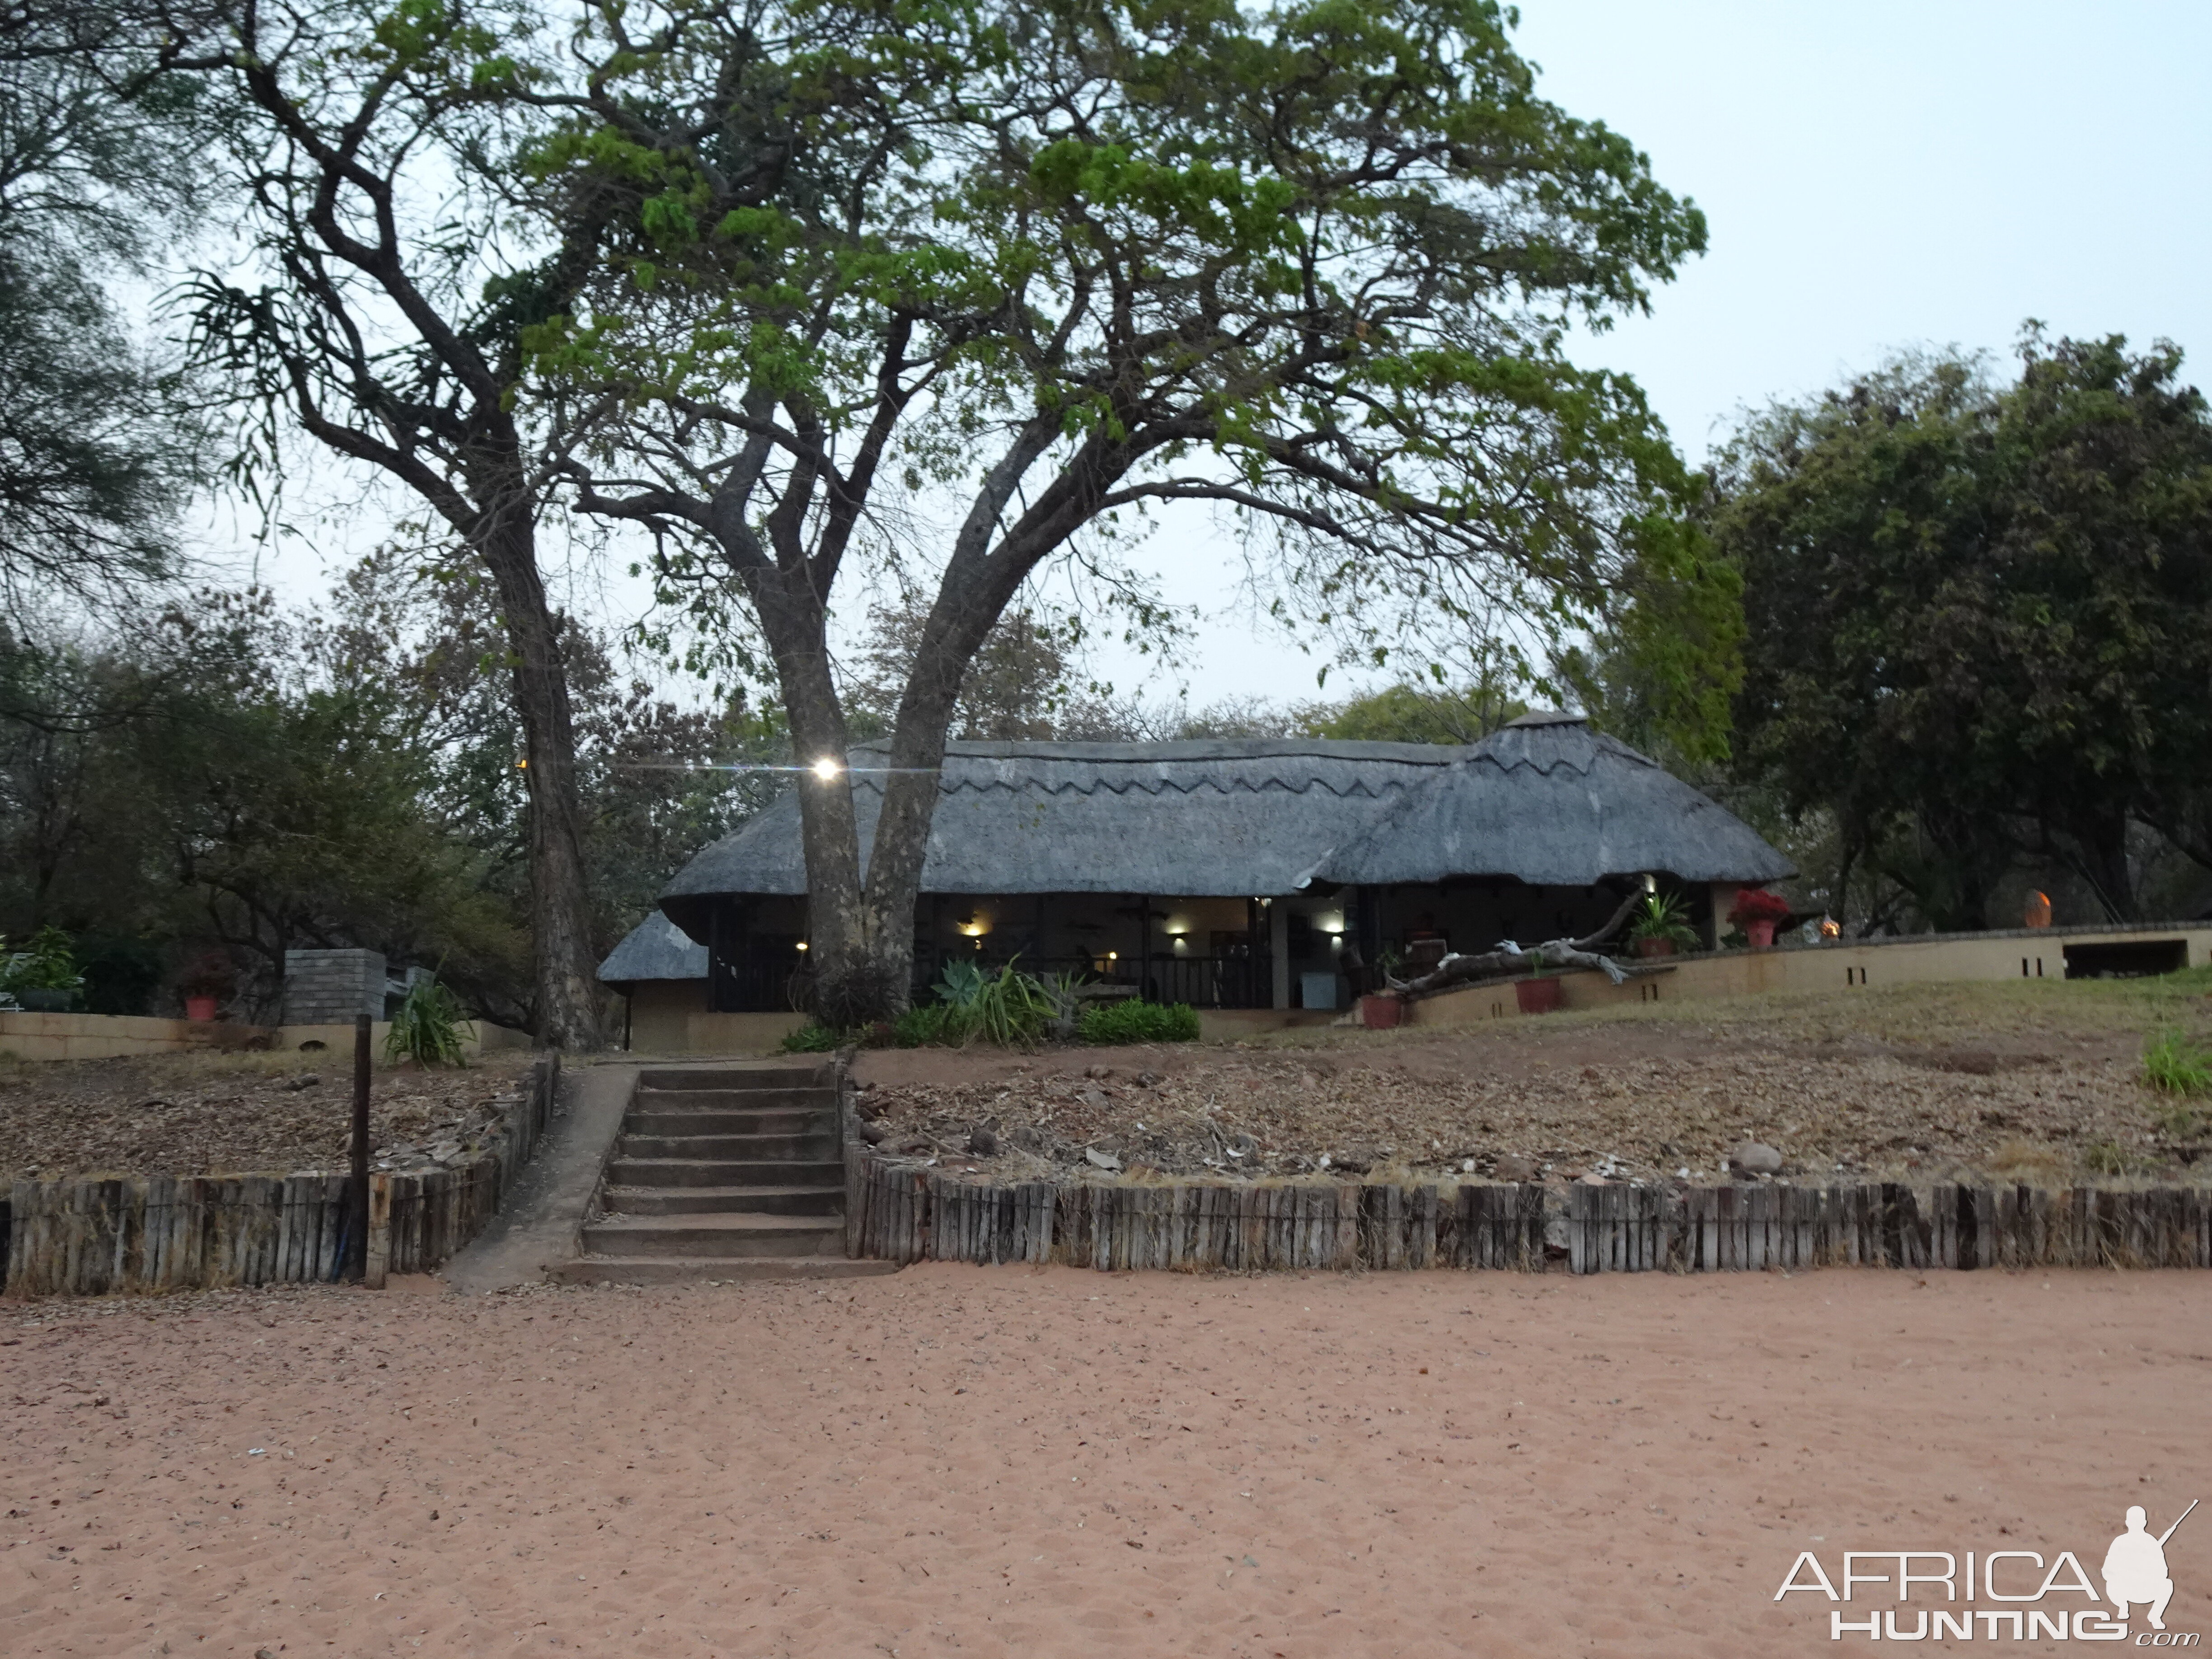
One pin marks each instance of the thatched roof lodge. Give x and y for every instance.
(1232, 873)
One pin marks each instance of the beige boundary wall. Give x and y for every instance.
(118, 1036)
(1840, 969)
(670, 1017)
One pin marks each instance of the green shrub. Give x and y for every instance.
(45, 963)
(813, 1040)
(427, 1027)
(1114, 1022)
(1009, 1008)
(933, 1024)
(1664, 915)
(2175, 1065)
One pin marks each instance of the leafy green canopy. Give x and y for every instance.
(1981, 616)
(96, 177)
(1311, 264)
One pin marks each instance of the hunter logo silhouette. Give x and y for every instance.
(2134, 1566)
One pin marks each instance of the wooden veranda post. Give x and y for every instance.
(357, 1182)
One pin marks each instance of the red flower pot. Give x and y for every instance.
(1654, 947)
(1537, 996)
(1760, 934)
(202, 1009)
(1382, 1013)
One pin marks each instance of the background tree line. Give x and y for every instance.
(847, 325)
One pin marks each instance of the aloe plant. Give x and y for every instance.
(429, 1027)
(1664, 915)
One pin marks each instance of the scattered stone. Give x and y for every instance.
(874, 1134)
(1096, 1099)
(1148, 1079)
(1509, 1167)
(305, 1080)
(1755, 1158)
(981, 1142)
(1100, 1073)
(1029, 1139)
(1593, 1179)
(1100, 1160)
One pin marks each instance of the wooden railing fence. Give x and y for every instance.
(109, 1235)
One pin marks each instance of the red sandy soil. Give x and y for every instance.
(998, 1462)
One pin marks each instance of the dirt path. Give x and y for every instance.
(1053, 1463)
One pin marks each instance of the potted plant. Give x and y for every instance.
(1542, 995)
(1758, 913)
(207, 981)
(1382, 1010)
(1662, 926)
(42, 976)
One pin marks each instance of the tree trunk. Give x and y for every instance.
(570, 1004)
(860, 968)
(958, 625)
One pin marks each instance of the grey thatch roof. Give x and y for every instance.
(1546, 801)
(655, 949)
(1550, 802)
(1240, 815)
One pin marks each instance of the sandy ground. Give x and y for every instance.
(984, 1461)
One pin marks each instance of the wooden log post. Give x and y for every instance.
(376, 1236)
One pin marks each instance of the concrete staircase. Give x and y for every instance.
(722, 1173)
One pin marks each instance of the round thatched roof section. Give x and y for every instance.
(1547, 801)
(655, 949)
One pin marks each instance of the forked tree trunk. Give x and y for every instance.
(859, 968)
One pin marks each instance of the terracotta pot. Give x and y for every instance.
(1537, 996)
(1760, 934)
(202, 1009)
(1654, 947)
(1382, 1013)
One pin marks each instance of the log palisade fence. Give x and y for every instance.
(101, 1234)
(898, 1211)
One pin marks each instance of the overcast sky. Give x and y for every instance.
(1875, 175)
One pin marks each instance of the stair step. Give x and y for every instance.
(716, 1235)
(732, 1100)
(724, 1172)
(812, 1147)
(691, 1270)
(760, 1121)
(723, 1077)
(826, 1200)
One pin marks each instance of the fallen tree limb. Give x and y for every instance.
(1509, 957)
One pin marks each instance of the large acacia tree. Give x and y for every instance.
(961, 281)
(387, 327)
